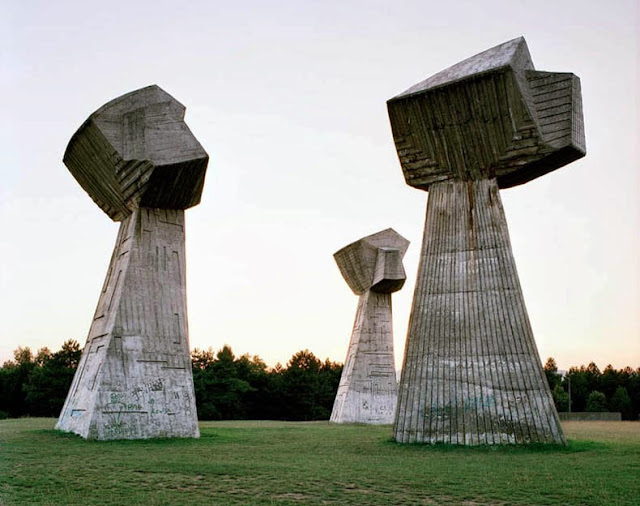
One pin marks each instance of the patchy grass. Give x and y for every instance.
(314, 463)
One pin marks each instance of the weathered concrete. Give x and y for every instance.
(134, 378)
(472, 373)
(490, 116)
(368, 387)
(137, 151)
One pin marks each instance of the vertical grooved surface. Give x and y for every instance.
(471, 373)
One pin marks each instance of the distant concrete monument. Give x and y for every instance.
(472, 374)
(141, 164)
(368, 390)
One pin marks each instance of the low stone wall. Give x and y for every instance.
(591, 417)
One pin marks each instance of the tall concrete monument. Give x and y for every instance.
(140, 163)
(472, 374)
(368, 390)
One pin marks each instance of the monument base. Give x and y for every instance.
(134, 379)
(472, 374)
(368, 387)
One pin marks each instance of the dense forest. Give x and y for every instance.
(231, 388)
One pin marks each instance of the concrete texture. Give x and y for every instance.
(471, 373)
(368, 387)
(137, 151)
(490, 116)
(134, 378)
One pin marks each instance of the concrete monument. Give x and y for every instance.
(472, 373)
(141, 164)
(368, 387)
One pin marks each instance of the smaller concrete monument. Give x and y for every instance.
(372, 267)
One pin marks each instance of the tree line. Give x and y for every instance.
(589, 389)
(226, 387)
(232, 388)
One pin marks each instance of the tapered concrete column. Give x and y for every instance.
(134, 379)
(472, 374)
(368, 387)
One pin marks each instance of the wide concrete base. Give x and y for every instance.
(472, 374)
(368, 387)
(134, 379)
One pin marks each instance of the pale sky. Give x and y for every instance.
(289, 100)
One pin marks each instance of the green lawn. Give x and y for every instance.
(314, 463)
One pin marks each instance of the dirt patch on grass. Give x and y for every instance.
(295, 496)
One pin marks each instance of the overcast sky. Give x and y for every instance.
(288, 98)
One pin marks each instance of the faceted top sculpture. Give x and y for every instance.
(137, 151)
(374, 262)
(490, 116)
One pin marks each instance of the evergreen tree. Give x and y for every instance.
(560, 398)
(596, 402)
(14, 377)
(49, 382)
(551, 372)
(219, 390)
(609, 381)
(620, 401)
(579, 388)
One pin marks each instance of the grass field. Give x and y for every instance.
(314, 463)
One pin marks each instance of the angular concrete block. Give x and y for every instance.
(358, 262)
(389, 275)
(137, 151)
(490, 116)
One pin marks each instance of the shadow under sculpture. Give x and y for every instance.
(472, 374)
(141, 164)
(368, 390)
